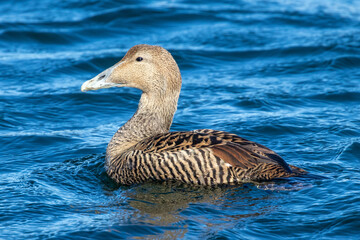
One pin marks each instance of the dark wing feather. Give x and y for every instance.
(258, 151)
(235, 155)
(236, 151)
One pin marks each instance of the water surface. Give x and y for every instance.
(282, 73)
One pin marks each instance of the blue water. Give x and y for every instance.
(282, 73)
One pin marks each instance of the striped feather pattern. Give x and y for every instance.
(204, 157)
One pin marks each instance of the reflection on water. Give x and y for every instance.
(177, 205)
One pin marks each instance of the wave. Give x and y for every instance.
(69, 133)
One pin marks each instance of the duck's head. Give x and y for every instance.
(151, 69)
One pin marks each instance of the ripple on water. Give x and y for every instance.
(282, 73)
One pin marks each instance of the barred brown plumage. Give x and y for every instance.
(143, 149)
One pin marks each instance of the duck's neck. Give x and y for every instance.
(153, 116)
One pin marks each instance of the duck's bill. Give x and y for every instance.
(102, 80)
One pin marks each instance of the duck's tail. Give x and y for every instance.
(296, 171)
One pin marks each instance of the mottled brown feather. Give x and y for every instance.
(234, 150)
(258, 151)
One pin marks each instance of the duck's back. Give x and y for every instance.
(205, 157)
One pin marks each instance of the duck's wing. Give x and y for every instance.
(230, 148)
(260, 153)
(257, 148)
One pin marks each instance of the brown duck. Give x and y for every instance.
(143, 148)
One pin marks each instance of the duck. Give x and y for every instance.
(144, 149)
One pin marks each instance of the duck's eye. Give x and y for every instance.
(139, 59)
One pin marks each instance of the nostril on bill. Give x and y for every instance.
(101, 77)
